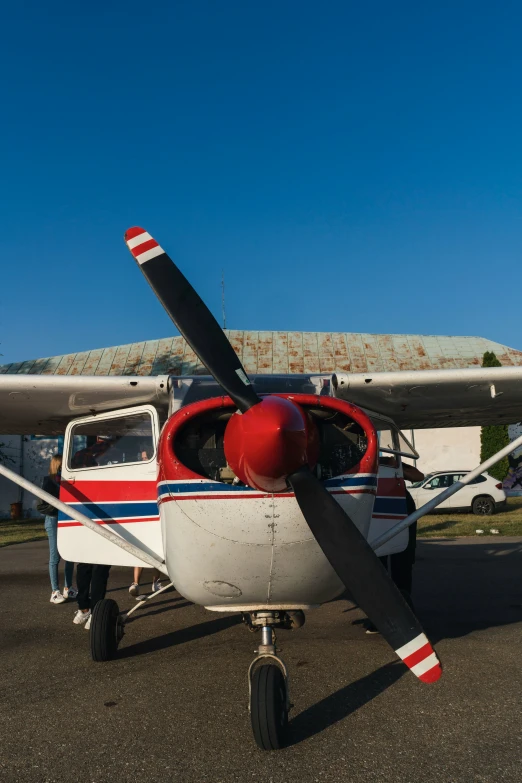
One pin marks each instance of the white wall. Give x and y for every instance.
(447, 449)
(29, 457)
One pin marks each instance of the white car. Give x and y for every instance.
(483, 495)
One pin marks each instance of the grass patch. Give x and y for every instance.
(508, 522)
(16, 531)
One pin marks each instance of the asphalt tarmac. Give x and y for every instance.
(173, 705)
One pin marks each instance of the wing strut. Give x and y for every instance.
(431, 504)
(101, 530)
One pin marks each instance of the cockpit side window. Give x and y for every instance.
(123, 440)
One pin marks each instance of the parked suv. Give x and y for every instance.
(483, 495)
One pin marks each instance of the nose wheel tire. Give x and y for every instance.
(268, 707)
(106, 630)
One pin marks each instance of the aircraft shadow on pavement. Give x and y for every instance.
(339, 705)
(177, 603)
(459, 588)
(181, 636)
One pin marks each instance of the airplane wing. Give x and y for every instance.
(438, 398)
(44, 404)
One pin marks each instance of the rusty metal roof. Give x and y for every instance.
(280, 352)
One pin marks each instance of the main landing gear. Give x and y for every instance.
(268, 679)
(108, 625)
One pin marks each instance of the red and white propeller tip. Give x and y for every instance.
(421, 659)
(142, 246)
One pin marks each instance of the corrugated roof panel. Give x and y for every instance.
(264, 352)
(295, 353)
(51, 365)
(326, 352)
(372, 353)
(341, 355)
(134, 358)
(387, 351)
(176, 356)
(105, 364)
(310, 352)
(190, 362)
(250, 341)
(402, 351)
(15, 367)
(235, 338)
(65, 364)
(446, 359)
(147, 357)
(93, 360)
(79, 363)
(280, 352)
(162, 361)
(120, 359)
(26, 367)
(357, 353)
(419, 357)
(39, 366)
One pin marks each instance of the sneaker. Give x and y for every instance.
(57, 597)
(70, 592)
(81, 617)
(134, 589)
(88, 623)
(370, 627)
(156, 585)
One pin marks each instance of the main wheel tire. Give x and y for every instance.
(268, 707)
(105, 630)
(483, 506)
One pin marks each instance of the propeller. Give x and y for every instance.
(273, 443)
(192, 317)
(362, 573)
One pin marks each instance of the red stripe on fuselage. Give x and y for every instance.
(107, 491)
(245, 496)
(110, 522)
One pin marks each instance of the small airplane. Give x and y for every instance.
(259, 496)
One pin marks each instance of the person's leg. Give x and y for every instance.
(134, 589)
(100, 576)
(69, 569)
(156, 580)
(83, 581)
(51, 528)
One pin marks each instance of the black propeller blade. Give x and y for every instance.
(192, 317)
(360, 570)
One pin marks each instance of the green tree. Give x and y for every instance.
(495, 436)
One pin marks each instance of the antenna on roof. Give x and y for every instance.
(223, 298)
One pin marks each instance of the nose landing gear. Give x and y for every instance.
(268, 680)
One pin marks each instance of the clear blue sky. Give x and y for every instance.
(352, 166)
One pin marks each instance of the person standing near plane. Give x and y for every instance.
(51, 484)
(134, 589)
(92, 585)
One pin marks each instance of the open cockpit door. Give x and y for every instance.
(109, 473)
